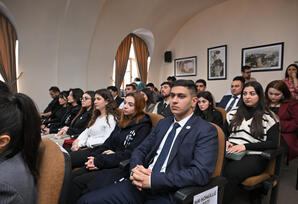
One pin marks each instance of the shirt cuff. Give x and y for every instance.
(150, 181)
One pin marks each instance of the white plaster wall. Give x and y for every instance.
(54, 43)
(239, 24)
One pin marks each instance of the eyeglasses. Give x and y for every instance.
(85, 98)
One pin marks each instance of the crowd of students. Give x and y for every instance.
(106, 129)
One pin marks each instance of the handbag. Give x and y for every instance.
(235, 156)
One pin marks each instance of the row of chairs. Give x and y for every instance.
(55, 170)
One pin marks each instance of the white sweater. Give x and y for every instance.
(97, 133)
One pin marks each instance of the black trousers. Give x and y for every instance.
(78, 158)
(123, 192)
(237, 171)
(84, 181)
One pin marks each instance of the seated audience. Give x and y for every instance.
(140, 85)
(206, 110)
(246, 74)
(147, 94)
(157, 170)
(291, 79)
(201, 85)
(54, 104)
(280, 101)
(156, 95)
(133, 127)
(74, 101)
(81, 120)
(57, 115)
(231, 101)
(163, 106)
(250, 127)
(100, 127)
(19, 143)
(130, 88)
(171, 79)
(114, 91)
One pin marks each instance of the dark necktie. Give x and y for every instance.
(232, 103)
(165, 149)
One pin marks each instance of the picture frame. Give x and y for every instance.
(217, 63)
(185, 66)
(263, 58)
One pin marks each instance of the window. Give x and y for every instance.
(1, 78)
(132, 70)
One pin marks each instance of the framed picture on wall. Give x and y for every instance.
(217, 63)
(264, 57)
(185, 66)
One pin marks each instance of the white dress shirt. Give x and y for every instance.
(230, 101)
(181, 123)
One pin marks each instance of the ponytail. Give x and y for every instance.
(20, 120)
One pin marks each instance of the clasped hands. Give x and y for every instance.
(140, 177)
(90, 163)
(234, 148)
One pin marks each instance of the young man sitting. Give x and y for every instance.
(181, 151)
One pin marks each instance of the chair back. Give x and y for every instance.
(154, 118)
(221, 151)
(54, 173)
(223, 113)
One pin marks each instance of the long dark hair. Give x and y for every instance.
(111, 107)
(208, 113)
(20, 120)
(77, 94)
(280, 86)
(291, 65)
(84, 109)
(139, 110)
(257, 130)
(149, 95)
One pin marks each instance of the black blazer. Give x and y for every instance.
(119, 100)
(225, 100)
(80, 124)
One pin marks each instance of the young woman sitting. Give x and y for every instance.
(280, 101)
(205, 109)
(19, 143)
(100, 127)
(74, 99)
(291, 79)
(250, 127)
(81, 120)
(57, 115)
(149, 101)
(131, 130)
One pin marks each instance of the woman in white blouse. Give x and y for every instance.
(102, 123)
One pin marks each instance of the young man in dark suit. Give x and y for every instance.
(114, 91)
(163, 106)
(180, 151)
(231, 101)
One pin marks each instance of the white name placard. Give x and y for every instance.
(206, 197)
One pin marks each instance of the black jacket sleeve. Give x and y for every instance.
(80, 124)
(103, 161)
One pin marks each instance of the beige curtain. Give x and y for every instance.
(142, 55)
(7, 52)
(121, 59)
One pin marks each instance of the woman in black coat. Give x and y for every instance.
(205, 109)
(131, 130)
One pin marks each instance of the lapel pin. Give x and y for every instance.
(188, 127)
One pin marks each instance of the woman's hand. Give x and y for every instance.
(108, 152)
(46, 131)
(90, 164)
(62, 131)
(237, 148)
(228, 145)
(75, 145)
